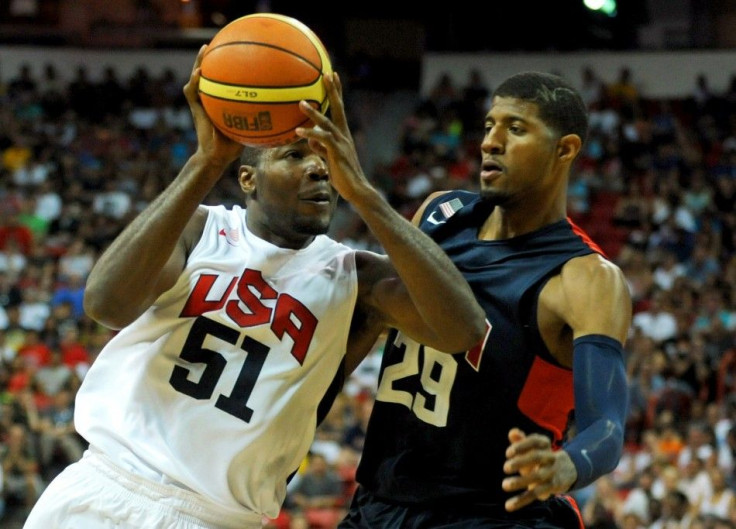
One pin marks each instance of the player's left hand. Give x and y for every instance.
(332, 140)
(211, 143)
(535, 469)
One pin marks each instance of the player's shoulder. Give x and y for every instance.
(212, 221)
(595, 297)
(451, 200)
(590, 266)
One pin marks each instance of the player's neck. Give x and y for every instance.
(506, 223)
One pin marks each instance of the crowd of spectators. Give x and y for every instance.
(655, 187)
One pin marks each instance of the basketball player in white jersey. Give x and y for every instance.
(234, 325)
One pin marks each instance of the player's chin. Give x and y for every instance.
(493, 195)
(314, 224)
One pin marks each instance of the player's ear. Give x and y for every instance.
(568, 147)
(247, 178)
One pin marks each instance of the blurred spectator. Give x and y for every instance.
(53, 93)
(10, 294)
(722, 500)
(623, 93)
(14, 232)
(74, 354)
(22, 83)
(474, 103)
(668, 270)
(54, 377)
(12, 259)
(22, 483)
(28, 216)
(70, 292)
(319, 494)
(60, 444)
(592, 89)
(34, 352)
(443, 95)
(676, 512)
(48, 202)
(34, 308)
(354, 436)
(702, 267)
(639, 499)
(76, 261)
(657, 322)
(604, 507)
(695, 483)
(112, 202)
(632, 209)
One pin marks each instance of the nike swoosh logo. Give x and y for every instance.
(432, 220)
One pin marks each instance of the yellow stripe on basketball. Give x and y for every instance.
(248, 94)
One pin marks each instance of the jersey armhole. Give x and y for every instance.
(202, 243)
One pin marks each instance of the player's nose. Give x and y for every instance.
(492, 141)
(317, 168)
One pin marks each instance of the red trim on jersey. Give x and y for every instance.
(574, 505)
(547, 397)
(580, 232)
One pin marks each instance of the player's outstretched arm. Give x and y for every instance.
(148, 256)
(419, 291)
(597, 307)
(600, 320)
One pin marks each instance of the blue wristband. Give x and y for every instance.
(601, 391)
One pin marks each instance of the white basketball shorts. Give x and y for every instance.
(94, 493)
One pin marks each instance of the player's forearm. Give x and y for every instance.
(601, 400)
(125, 279)
(433, 282)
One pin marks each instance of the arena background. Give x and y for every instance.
(655, 188)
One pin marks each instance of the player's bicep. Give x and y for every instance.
(384, 296)
(597, 298)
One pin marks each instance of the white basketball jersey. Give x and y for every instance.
(216, 386)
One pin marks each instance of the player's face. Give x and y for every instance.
(518, 152)
(290, 195)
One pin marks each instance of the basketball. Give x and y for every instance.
(255, 71)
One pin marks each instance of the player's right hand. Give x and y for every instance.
(217, 148)
(333, 141)
(535, 470)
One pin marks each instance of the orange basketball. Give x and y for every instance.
(254, 73)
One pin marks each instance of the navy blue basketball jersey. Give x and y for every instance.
(438, 432)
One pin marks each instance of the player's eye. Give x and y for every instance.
(293, 154)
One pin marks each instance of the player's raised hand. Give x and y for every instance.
(215, 146)
(535, 470)
(331, 139)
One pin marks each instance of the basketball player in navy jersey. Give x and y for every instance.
(234, 326)
(495, 436)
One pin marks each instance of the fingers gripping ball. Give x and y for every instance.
(254, 73)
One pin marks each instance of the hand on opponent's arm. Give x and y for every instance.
(419, 291)
(536, 470)
(148, 256)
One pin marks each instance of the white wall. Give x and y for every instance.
(68, 59)
(658, 74)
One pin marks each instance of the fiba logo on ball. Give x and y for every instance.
(255, 72)
(260, 121)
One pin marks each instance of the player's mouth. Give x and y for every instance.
(490, 170)
(317, 197)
